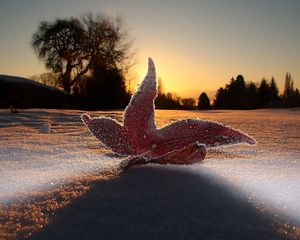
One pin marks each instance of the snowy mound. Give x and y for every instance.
(24, 93)
(16, 79)
(45, 128)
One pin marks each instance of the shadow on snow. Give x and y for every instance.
(155, 202)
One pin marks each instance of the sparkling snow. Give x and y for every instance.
(40, 149)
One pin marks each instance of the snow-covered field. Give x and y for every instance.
(41, 148)
(44, 149)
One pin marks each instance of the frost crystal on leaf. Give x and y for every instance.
(181, 142)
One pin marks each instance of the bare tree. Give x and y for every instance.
(188, 103)
(48, 78)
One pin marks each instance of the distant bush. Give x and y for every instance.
(167, 101)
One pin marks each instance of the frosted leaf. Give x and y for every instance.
(139, 118)
(181, 142)
(181, 133)
(110, 133)
(188, 154)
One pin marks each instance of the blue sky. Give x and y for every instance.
(197, 45)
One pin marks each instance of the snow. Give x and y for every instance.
(270, 183)
(16, 79)
(45, 128)
(40, 148)
(267, 175)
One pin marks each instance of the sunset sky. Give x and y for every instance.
(197, 45)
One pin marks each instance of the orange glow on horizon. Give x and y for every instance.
(184, 82)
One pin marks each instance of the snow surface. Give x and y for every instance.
(268, 174)
(16, 79)
(45, 128)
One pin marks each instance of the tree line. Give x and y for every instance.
(238, 94)
(90, 56)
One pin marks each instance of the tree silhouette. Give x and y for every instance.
(220, 101)
(203, 101)
(236, 92)
(233, 96)
(288, 92)
(48, 78)
(188, 103)
(59, 44)
(264, 93)
(166, 101)
(274, 94)
(160, 88)
(252, 97)
(239, 95)
(290, 96)
(297, 98)
(72, 47)
(105, 88)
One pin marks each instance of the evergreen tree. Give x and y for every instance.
(203, 101)
(252, 97)
(264, 94)
(273, 91)
(233, 96)
(220, 101)
(239, 95)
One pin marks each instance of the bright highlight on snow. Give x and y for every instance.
(268, 175)
(181, 142)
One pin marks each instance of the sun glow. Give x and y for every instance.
(185, 82)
